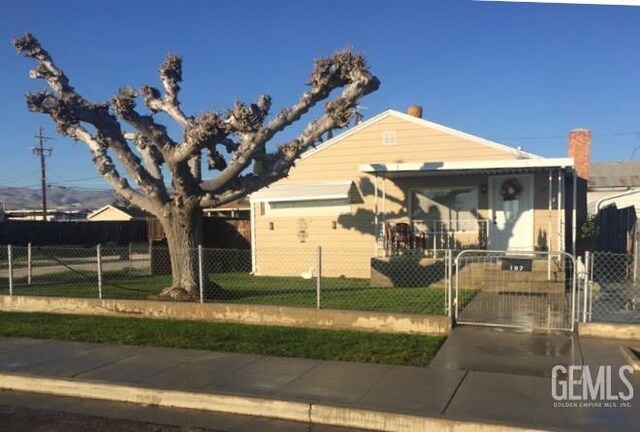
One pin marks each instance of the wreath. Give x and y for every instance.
(510, 189)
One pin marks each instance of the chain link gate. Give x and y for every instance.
(524, 290)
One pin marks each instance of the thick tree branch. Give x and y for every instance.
(245, 123)
(150, 154)
(170, 76)
(124, 104)
(71, 109)
(343, 69)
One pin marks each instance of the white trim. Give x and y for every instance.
(467, 165)
(321, 207)
(303, 191)
(424, 123)
(614, 197)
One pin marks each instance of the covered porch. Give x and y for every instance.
(518, 205)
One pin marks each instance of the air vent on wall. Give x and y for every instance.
(389, 137)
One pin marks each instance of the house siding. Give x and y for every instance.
(355, 231)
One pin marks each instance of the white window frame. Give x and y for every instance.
(438, 188)
(296, 208)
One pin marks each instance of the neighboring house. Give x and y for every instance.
(238, 209)
(112, 212)
(397, 184)
(614, 183)
(54, 215)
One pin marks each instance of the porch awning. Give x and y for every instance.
(466, 167)
(303, 192)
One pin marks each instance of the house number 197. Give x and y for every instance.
(516, 265)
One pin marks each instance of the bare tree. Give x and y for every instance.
(231, 142)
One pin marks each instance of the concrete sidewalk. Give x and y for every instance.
(451, 393)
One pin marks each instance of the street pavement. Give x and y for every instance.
(32, 412)
(480, 375)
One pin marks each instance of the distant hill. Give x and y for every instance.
(26, 198)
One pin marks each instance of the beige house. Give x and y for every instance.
(112, 212)
(399, 184)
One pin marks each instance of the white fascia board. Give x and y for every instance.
(468, 165)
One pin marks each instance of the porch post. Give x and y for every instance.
(376, 221)
(574, 218)
(550, 197)
(384, 200)
(388, 247)
(560, 214)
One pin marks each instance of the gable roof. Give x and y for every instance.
(424, 123)
(132, 212)
(614, 174)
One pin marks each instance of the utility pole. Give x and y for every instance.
(42, 152)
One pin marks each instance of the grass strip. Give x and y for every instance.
(395, 349)
(336, 293)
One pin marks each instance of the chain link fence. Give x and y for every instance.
(304, 277)
(612, 288)
(529, 290)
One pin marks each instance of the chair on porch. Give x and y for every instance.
(396, 237)
(402, 235)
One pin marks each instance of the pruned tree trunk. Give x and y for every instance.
(183, 230)
(184, 233)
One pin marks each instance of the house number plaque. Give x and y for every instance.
(516, 265)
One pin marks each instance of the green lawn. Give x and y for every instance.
(397, 349)
(336, 293)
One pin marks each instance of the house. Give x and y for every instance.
(53, 215)
(238, 209)
(613, 183)
(613, 198)
(400, 184)
(113, 212)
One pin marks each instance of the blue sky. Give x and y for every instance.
(518, 73)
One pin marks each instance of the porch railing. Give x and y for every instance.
(430, 238)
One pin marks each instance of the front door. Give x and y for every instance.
(511, 204)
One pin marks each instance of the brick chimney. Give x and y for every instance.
(415, 110)
(580, 150)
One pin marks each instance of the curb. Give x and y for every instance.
(609, 330)
(245, 405)
(630, 357)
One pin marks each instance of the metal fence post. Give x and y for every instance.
(99, 259)
(585, 285)
(318, 276)
(29, 263)
(449, 284)
(201, 273)
(635, 255)
(10, 263)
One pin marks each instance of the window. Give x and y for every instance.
(319, 207)
(446, 208)
(389, 138)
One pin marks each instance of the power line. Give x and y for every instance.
(544, 137)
